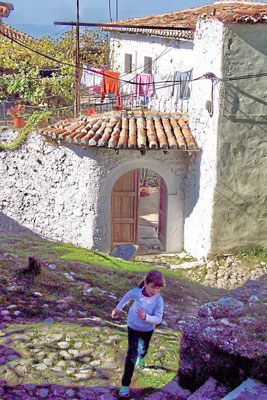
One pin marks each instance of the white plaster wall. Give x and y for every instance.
(63, 192)
(167, 55)
(201, 179)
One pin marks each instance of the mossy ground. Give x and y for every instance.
(106, 276)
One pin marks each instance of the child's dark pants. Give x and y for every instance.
(138, 343)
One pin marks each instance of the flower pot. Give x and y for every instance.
(18, 122)
(90, 111)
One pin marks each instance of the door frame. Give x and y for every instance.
(175, 203)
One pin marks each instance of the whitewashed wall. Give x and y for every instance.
(167, 55)
(63, 192)
(201, 178)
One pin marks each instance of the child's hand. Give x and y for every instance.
(115, 313)
(141, 313)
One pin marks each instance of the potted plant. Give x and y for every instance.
(16, 112)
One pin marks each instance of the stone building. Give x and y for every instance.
(215, 193)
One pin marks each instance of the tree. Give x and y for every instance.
(22, 67)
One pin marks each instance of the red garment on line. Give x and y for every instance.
(110, 85)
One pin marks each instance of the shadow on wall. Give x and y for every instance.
(251, 125)
(192, 184)
(9, 226)
(255, 39)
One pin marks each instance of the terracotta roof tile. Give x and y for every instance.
(5, 9)
(242, 11)
(16, 34)
(120, 131)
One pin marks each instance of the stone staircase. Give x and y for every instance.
(250, 389)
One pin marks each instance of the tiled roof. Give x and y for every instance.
(121, 131)
(241, 18)
(5, 9)
(240, 11)
(16, 34)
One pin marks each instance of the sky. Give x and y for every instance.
(39, 12)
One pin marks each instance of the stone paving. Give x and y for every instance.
(60, 360)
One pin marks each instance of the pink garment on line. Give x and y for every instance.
(144, 85)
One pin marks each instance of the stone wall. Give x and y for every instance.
(240, 199)
(201, 179)
(227, 341)
(63, 192)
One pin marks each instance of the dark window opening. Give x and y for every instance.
(148, 65)
(128, 63)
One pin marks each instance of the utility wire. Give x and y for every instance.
(206, 76)
(88, 69)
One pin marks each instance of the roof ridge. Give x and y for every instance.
(234, 2)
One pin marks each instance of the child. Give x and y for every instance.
(144, 314)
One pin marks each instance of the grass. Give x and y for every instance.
(95, 269)
(106, 276)
(253, 255)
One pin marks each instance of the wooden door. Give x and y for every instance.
(125, 209)
(162, 212)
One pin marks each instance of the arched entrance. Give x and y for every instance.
(138, 211)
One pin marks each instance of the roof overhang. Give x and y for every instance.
(5, 9)
(126, 131)
(187, 34)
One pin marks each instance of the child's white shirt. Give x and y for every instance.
(153, 307)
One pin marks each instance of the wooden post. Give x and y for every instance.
(117, 10)
(77, 72)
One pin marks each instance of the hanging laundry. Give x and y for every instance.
(92, 79)
(144, 85)
(163, 84)
(128, 87)
(145, 100)
(110, 85)
(98, 81)
(181, 88)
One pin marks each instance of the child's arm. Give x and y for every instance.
(124, 300)
(156, 318)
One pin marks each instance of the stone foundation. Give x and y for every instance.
(227, 341)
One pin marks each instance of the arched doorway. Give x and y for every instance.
(138, 211)
(152, 213)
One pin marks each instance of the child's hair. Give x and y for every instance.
(154, 276)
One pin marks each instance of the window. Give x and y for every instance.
(128, 63)
(148, 65)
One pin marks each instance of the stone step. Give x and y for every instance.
(248, 390)
(211, 390)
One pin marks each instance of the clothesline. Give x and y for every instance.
(174, 85)
(93, 70)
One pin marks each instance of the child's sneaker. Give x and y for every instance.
(124, 391)
(140, 363)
